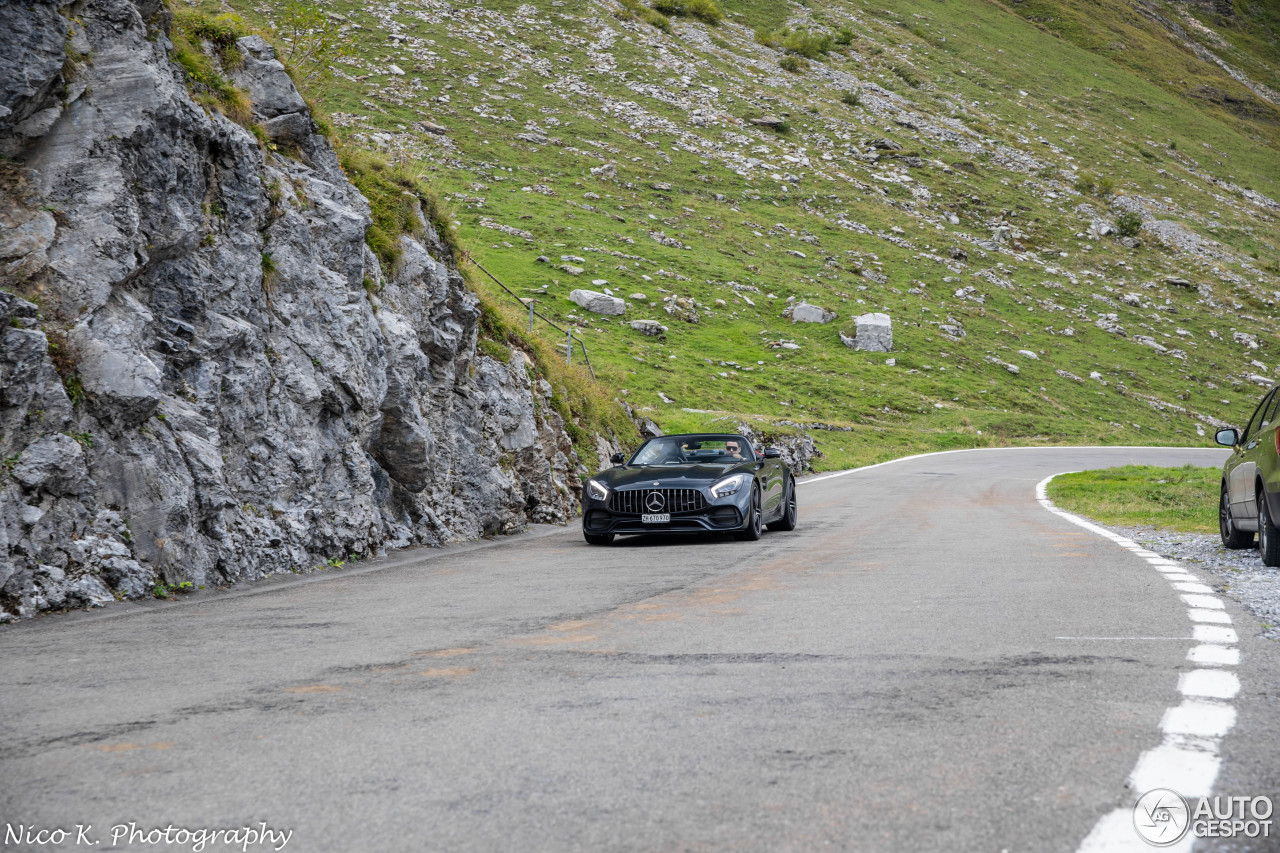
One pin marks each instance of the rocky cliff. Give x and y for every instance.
(205, 374)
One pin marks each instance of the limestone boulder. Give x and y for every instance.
(598, 303)
(875, 332)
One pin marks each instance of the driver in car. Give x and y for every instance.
(733, 449)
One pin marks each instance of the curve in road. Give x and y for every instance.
(930, 662)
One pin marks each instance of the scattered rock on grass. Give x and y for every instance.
(803, 312)
(652, 328)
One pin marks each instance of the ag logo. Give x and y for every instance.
(654, 502)
(1161, 817)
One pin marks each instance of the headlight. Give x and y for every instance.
(597, 491)
(729, 485)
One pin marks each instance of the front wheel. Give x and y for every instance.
(755, 525)
(1268, 536)
(790, 514)
(598, 538)
(1232, 537)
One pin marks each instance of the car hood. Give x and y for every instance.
(671, 476)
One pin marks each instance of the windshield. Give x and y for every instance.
(686, 449)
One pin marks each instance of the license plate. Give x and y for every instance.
(657, 518)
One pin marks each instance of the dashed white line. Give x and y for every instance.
(1214, 634)
(1214, 656)
(849, 471)
(1210, 683)
(1202, 719)
(1189, 770)
(1199, 614)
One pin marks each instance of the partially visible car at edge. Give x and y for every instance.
(1250, 499)
(691, 483)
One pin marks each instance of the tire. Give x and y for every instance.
(1232, 537)
(791, 513)
(755, 527)
(1268, 535)
(598, 538)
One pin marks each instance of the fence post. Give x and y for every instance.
(531, 303)
(568, 353)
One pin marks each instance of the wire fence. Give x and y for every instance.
(533, 313)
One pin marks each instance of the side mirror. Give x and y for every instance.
(772, 453)
(1228, 437)
(617, 459)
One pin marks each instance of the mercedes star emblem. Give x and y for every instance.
(655, 502)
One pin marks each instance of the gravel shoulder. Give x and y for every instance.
(1239, 575)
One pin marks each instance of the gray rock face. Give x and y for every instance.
(31, 58)
(598, 303)
(798, 450)
(54, 464)
(875, 332)
(123, 385)
(212, 422)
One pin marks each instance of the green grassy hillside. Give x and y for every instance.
(943, 162)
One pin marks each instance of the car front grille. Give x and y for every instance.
(635, 501)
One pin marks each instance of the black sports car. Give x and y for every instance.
(695, 483)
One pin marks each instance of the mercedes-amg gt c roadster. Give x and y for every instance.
(695, 483)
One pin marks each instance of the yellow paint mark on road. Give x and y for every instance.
(130, 747)
(555, 640)
(447, 671)
(570, 625)
(660, 617)
(444, 653)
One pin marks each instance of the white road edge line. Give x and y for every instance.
(849, 471)
(1187, 759)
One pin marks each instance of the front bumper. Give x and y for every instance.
(718, 515)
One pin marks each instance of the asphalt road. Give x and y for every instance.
(891, 676)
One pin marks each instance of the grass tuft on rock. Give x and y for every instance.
(395, 194)
(205, 47)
